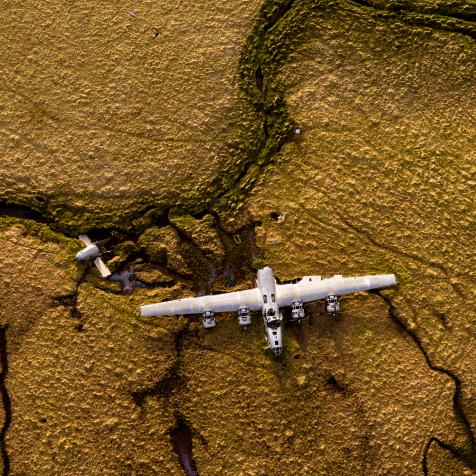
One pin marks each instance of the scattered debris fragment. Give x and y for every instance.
(126, 277)
(93, 252)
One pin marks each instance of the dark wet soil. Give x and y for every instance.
(20, 211)
(182, 443)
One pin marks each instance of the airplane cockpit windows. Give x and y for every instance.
(274, 324)
(270, 312)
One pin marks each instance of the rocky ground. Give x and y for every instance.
(317, 137)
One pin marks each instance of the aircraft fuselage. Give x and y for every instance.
(272, 317)
(90, 252)
(270, 297)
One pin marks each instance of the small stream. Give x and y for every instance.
(21, 211)
(182, 443)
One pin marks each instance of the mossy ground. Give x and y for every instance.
(380, 177)
(379, 180)
(102, 121)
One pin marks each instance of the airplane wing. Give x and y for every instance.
(103, 269)
(312, 289)
(85, 239)
(228, 302)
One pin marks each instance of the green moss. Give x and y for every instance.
(73, 219)
(280, 27)
(126, 249)
(467, 454)
(155, 242)
(449, 16)
(291, 345)
(40, 231)
(259, 263)
(203, 234)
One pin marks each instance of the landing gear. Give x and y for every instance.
(332, 304)
(244, 317)
(209, 320)
(297, 311)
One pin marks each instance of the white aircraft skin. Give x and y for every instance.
(270, 298)
(91, 252)
(272, 317)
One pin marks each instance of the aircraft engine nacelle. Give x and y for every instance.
(244, 317)
(209, 320)
(297, 311)
(332, 304)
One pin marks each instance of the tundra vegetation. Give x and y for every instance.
(317, 137)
